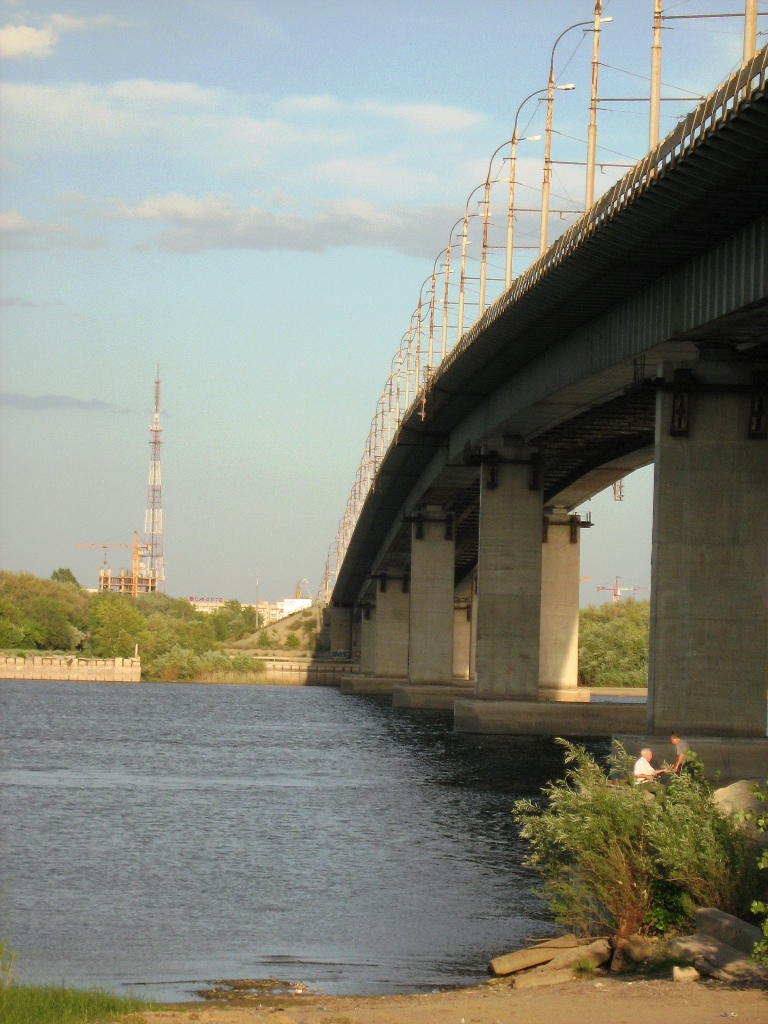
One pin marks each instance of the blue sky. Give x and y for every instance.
(249, 194)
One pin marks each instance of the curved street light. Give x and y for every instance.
(548, 132)
(460, 323)
(548, 138)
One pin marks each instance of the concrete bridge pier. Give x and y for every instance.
(462, 629)
(430, 655)
(367, 639)
(559, 630)
(508, 577)
(341, 628)
(527, 615)
(709, 584)
(392, 627)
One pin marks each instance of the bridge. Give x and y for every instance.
(640, 336)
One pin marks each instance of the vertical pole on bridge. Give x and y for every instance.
(653, 120)
(750, 29)
(592, 130)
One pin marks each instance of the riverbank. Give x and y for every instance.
(603, 1000)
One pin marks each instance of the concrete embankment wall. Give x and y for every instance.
(70, 669)
(288, 673)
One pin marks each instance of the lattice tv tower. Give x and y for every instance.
(153, 518)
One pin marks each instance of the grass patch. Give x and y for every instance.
(42, 1004)
(584, 968)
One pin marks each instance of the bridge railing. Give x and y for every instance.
(412, 373)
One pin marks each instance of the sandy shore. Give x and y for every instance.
(596, 1001)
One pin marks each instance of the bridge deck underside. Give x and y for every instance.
(569, 451)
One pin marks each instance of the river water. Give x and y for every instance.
(157, 837)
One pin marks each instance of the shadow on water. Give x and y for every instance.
(158, 837)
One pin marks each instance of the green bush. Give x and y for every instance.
(613, 644)
(761, 906)
(291, 640)
(615, 857)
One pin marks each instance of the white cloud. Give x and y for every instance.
(198, 225)
(19, 232)
(24, 41)
(20, 41)
(427, 117)
(372, 149)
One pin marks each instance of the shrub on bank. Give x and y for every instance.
(613, 857)
(181, 664)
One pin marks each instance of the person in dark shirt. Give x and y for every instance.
(681, 750)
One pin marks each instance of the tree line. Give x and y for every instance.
(174, 641)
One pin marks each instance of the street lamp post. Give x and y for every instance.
(545, 187)
(589, 197)
(750, 29)
(653, 119)
(462, 282)
(512, 170)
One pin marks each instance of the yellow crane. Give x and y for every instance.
(139, 550)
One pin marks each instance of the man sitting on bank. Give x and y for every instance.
(644, 772)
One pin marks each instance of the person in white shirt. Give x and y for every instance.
(644, 771)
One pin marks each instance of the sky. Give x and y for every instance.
(249, 195)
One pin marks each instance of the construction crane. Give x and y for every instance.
(617, 591)
(139, 550)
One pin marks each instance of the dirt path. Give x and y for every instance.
(604, 1001)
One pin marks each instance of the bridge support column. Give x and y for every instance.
(390, 656)
(462, 637)
(509, 580)
(341, 629)
(559, 633)
(368, 639)
(709, 585)
(430, 656)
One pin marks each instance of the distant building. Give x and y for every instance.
(293, 604)
(122, 582)
(207, 605)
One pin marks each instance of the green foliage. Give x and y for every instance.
(265, 640)
(309, 627)
(233, 622)
(615, 857)
(7, 960)
(760, 952)
(33, 1004)
(174, 640)
(613, 644)
(64, 576)
(116, 626)
(291, 640)
(41, 614)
